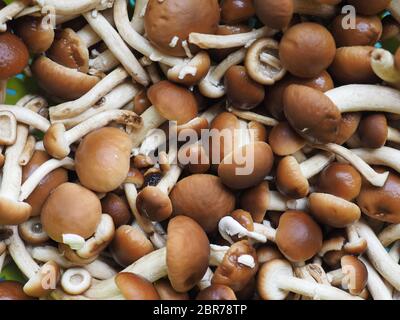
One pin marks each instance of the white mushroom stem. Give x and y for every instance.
(20, 255)
(378, 256)
(151, 120)
(353, 238)
(137, 41)
(116, 99)
(211, 41)
(34, 179)
(382, 62)
(169, 180)
(73, 108)
(229, 227)
(314, 165)
(152, 142)
(211, 85)
(332, 244)
(10, 11)
(12, 171)
(28, 151)
(104, 62)
(26, 116)
(266, 230)
(2, 260)
(137, 21)
(365, 97)
(376, 287)
(252, 116)
(100, 270)
(394, 251)
(205, 282)
(89, 36)
(393, 135)
(76, 280)
(382, 156)
(72, 7)
(152, 267)
(389, 235)
(35, 103)
(153, 73)
(375, 178)
(394, 8)
(118, 47)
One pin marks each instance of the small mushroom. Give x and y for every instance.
(284, 141)
(389, 235)
(166, 292)
(12, 290)
(275, 280)
(355, 244)
(208, 207)
(8, 128)
(32, 232)
(66, 205)
(117, 207)
(307, 49)
(374, 131)
(236, 11)
(134, 287)
(217, 292)
(76, 281)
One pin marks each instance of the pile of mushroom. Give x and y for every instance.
(201, 149)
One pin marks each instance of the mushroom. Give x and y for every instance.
(14, 58)
(394, 8)
(40, 176)
(129, 245)
(66, 205)
(389, 235)
(31, 231)
(37, 36)
(262, 62)
(170, 102)
(252, 116)
(352, 276)
(76, 281)
(292, 177)
(137, 20)
(25, 116)
(378, 256)
(103, 148)
(117, 207)
(367, 31)
(188, 72)
(13, 211)
(284, 141)
(307, 49)
(229, 228)
(353, 65)
(28, 151)
(12, 290)
(11, 10)
(57, 139)
(355, 244)
(381, 203)
(134, 287)
(216, 292)
(275, 280)
(341, 180)
(210, 41)
(374, 131)
(118, 47)
(278, 14)
(73, 108)
(8, 128)
(383, 64)
(236, 11)
(207, 208)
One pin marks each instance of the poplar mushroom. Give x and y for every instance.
(374, 131)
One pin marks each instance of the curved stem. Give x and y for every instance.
(382, 62)
(389, 235)
(382, 156)
(393, 135)
(252, 116)
(71, 7)
(137, 21)
(26, 116)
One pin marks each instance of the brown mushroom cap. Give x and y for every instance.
(63, 82)
(298, 236)
(341, 180)
(244, 218)
(154, 204)
(37, 36)
(224, 30)
(381, 203)
(166, 292)
(311, 113)
(102, 159)
(373, 130)
(72, 255)
(353, 65)
(216, 292)
(12, 290)
(256, 200)
(14, 55)
(236, 11)
(70, 51)
(186, 264)
(130, 244)
(246, 166)
(333, 211)
(284, 140)
(204, 198)
(369, 7)
(367, 31)
(117, 207)
(174, 18)
(274, 99)
(231, 272)
(173, 102)
(356, 274)
(134, 287)
(307, 49)
(71, 209)
(198, 158)
(46, 185)
(242, 91)
(267, 253)
(290, 180)
(275, 14)
(348, 126)
(141, 102)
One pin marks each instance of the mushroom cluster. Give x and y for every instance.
(201, 149)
